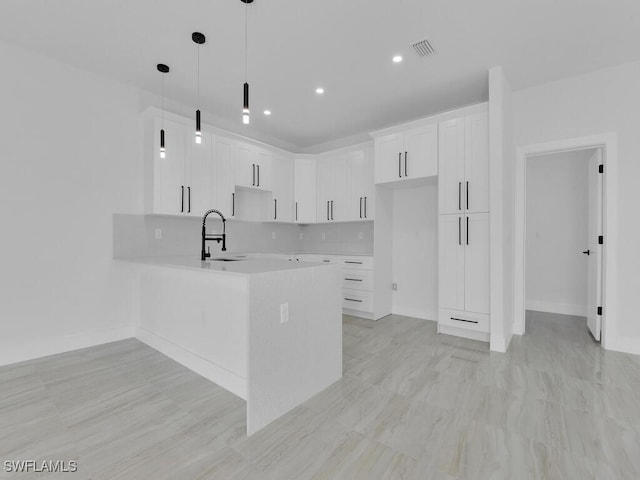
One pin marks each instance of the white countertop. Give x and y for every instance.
(244, 266)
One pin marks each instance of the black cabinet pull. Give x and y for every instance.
(463, 320)
(275, 208)
(258, 167)
(467, 195)
(405, 164)
(354, 279)
(326, 261)
(296, 211)
(365, 207)
(459, 195)
(467, 230)
(459, 231)
(253, 183)
(400, 164)
(327, 209)
(182, 199)
(350, 261)
(189, 199)
(233, 204)
(331, 209)
(587, 252)
(352, 300)
(360, 207)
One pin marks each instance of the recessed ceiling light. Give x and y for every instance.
(397, 59)
(267, 112)
(319, 91)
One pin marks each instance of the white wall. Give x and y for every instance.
(557, 232)
(71, 156)
(607, 100)
(415, 251)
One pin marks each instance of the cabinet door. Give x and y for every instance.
(263, 168)
(324, 183)
(476, 263)
(361, 191)
(226, 176)
(420, 154)
(451, 254)
(451, 166)
(245, 165)
(339, 188)
(476, 165)
(388, 158)
(282, 178)
(169, 172)
(305, 191)
(199, 177)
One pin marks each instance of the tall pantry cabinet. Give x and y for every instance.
(463, 191)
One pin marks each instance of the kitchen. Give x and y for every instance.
(364, 182)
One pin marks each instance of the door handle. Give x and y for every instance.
(233, 204)
(331, 209)
(459, 230)
(399, 164)
(467, 230)
(467, 196)
(365, 207)
(189, 199)
(258, 167)
(275, 208)
(459, 195)
(253, 183)
(182, 199)
(296, 211)
(587, 252)
(327, 209)
(360, 207)
(405, 164)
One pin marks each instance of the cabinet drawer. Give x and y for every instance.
(460, 319)
(358, 262)
(307, 257)
(357, 300)
(357, 279)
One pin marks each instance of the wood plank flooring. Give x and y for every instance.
(412, 405)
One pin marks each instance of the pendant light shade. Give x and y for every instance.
(245, 105)
(162, 68)
(199, 39)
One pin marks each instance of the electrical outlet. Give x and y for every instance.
(324, 236)
(273, 235)
(359, 235)
(394, 286)
(158, 233)
(284, 312)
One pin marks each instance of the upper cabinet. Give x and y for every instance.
(463, 182)
(332, 188)
(281, 208)
(407, 154)
(253, 166)
(305, 190)
(362, 189)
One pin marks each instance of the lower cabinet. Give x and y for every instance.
(357, 281)
(464, 275)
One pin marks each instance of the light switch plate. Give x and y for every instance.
(158, 233)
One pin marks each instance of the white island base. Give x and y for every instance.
(268, 331)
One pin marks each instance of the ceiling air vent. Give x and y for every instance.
(423, 48)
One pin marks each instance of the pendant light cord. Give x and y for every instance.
(162, 90)
(246, 42)
(198, 81)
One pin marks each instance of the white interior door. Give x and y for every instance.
(594, 271)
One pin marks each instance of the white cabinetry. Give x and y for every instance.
(464, 165)
(332, 185)
(253, 166)
(361, 198)
(408, 154)
(305, 190)
(281, 208)
(225, 178)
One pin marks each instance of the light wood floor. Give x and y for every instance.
(412, 405)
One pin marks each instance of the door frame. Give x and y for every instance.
(608, 143)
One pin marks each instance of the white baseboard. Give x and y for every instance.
(66, 343)
(463, 332)
(226, 379)
(624, 345)
(415, 313)
(561, 308)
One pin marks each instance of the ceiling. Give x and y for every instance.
(344, 46)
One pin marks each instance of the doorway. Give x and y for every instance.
(563, 260)
(597, 302)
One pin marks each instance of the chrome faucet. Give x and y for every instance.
(214, 238)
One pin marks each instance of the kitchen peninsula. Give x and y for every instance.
(269, 331)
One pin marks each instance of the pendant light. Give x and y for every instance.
(245, 102)
(162, 68)
(199, 39)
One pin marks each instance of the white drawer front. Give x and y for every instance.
(357, 300)
(359, 262)
(357, 279)
(309, 257)
(467, 320)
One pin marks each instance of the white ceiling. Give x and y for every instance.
(344, 45)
